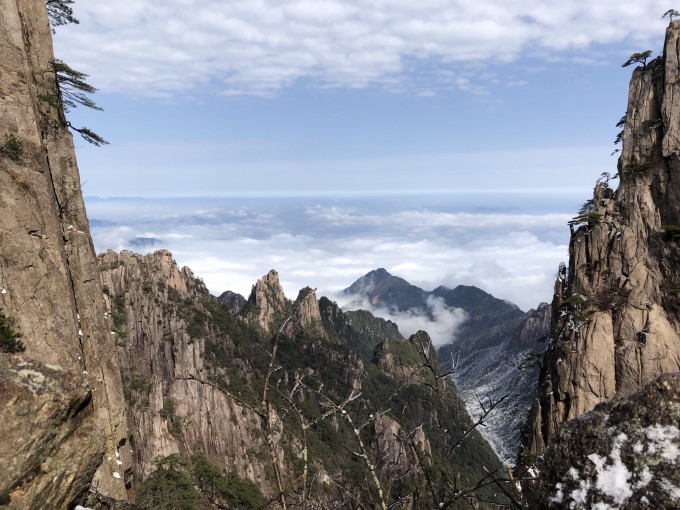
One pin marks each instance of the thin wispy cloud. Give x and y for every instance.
(259, 47)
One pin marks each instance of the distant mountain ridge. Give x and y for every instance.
(487, 348)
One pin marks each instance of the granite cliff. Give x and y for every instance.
(616, 312)
(50, 288)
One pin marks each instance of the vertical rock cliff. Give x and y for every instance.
(165, 324)
(49, 280)
(616, 307)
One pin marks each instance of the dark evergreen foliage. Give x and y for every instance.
(638, 58)
(13, 148)
(9, 338)
(60, 12)
(169, 487)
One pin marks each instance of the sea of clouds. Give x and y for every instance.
(508, 245)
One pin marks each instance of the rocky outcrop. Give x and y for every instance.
(624, 454)
(51, 446)
(163, 325)
(534, 328)
(616, 313)
(233, 301)
(48, 275)
(266, 307)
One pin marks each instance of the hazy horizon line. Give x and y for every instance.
(353, 193)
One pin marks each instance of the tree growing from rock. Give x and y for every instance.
(670, 14)
(638, 58)
(72, 89)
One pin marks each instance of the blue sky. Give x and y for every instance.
(291, 96)
(483, 102)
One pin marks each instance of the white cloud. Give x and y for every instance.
(441, 327)
(260, 46)
(231, 245)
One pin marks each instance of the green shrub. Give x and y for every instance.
(13, 148)
(118, 314)
(169, 487)
(136, 391)
(405, 353)
(591, 218)
(168, 412)
(671, 233)
(9, 338)
(195, 326)
(577, 301)
(174, 295)
(636, 168)
(228, 487)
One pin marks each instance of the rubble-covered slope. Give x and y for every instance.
(259, 392)
(616, 307)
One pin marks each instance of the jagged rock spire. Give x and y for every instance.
(617, 308)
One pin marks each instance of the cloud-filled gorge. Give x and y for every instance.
(507, 245)
(440, 321)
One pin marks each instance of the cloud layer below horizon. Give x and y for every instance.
(508, 250)
(262, 46)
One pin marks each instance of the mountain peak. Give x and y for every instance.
(381, 272)
(365, 284)
(267, 301)
(383, 289)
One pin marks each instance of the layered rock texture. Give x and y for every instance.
(49, 281)
(161, 326)
(617, 305)
(624, 454)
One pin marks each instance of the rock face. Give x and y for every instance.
(161, 328)
(233, 301)
(49, 280)
(51, 446)
(616, 307)
(383, 289)
(624, 454)
(266, 304)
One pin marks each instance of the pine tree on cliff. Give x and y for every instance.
(60, 13)
(72, 89)
(638, 58)
(670, 14)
